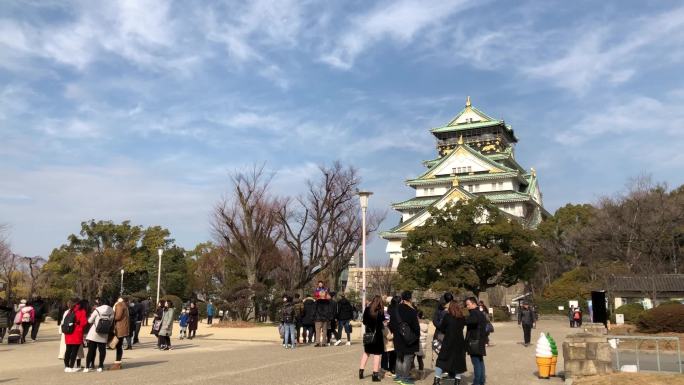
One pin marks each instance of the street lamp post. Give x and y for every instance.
(363, 197)
(122, 273)
(160, 251)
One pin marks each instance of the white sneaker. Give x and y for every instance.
(338, 342)
(67, 370)
(348, 343)
(86, 370)
(99, 370)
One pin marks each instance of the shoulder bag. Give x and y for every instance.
(405, 331)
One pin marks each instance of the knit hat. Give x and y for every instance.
(23, 301)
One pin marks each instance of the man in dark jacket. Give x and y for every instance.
(345, 312)
(527, 319)
(322, 317)
(406, 349)
(299, 309)
(308, 321)
(476, 324)
(332, 328)
(40, 310)
(132, 320)
(140, 316)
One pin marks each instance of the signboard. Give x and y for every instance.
(620, 319)
(573, 303)
(561, 308)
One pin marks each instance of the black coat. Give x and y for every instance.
(374, 324)
(452, 356)
(410, 316)
(345, 311)
(477, 328)
(324, 310)
(308, 312)
(193, 320)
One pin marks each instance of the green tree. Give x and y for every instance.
(471, 245)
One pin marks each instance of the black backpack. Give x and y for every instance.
(69, 323)
(104, 325)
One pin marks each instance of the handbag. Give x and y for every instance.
(368, 338)
(489, 328)
(405, 331)
(156, 327)
(437, 341)
(113, 342)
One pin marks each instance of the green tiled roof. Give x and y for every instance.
(507, 196)
(467, 126)
(462, 178)
(418, 202)
(476, 153)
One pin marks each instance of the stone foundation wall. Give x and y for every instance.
(586, 354)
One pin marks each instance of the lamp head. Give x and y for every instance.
(160, 251)
(363, 196)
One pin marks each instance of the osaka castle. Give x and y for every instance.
(475, 157)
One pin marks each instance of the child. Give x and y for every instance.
(183, 322)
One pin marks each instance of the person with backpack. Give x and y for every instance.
(406, 330)
(24, 317)
(62, 342)
(577, 317)
(166, 328)
(102, 323)
(345, 313)
(287, 319)
(373, 344)
(452, 353)
(527, 320)
(73, 326)
(121, 330)
(308, 321)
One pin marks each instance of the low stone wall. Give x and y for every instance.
(586, 354)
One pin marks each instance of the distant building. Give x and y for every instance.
(476, 157)
(667, 287)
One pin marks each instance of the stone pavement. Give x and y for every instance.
(253, 356)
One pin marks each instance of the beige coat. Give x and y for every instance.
(121, 319)
(388, 339)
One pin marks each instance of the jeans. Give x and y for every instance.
(347, 329)
(34, 329)
(404, 361)
(439, 371)
(527, 333)
(93, 348)
(322, 331)
(209, 319)
(289, 336)
(478, 370)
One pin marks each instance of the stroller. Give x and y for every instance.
(14, 335)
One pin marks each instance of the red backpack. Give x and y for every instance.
(577, 316)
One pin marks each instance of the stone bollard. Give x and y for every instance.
(586, 354)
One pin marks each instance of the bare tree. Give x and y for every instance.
(322, 229)
(34, 268)
(246, 225)
(9, 264)
(382, 279)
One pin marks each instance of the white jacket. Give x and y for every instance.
(102, 311)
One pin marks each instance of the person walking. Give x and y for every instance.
(24, 317)
(40, 310)
(166, 328)
(322, 317)
(345, 313)
(141, 315)
(73, 326)
(373, 344)
(527, 320)
(476, 324)
(193, 321)
(102, 322)
(210, 312)
(5, 318)
(287, 319)
(308, 319)
(332, 327)
(405, 318)
(451, 357)
(121, 330)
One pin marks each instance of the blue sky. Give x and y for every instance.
(140, 109)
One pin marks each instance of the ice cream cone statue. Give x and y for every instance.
(554, 357)
(544, 356)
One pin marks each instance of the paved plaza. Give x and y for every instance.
(252, 356)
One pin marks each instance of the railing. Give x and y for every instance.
(638, 340)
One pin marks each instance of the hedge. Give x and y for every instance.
(632, 311)
(664, 318)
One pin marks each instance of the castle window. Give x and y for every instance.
(470, 169)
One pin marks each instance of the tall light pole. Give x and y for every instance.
(160, 251)
(363, 197)
(122, 273)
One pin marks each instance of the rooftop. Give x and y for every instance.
(661, 283)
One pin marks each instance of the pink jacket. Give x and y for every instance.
(19, 318)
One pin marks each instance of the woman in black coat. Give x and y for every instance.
(452, 356)
(193, 320)
(373, 319)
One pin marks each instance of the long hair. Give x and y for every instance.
(375, 306)
(455, 309)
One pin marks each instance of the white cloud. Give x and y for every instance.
(396, 21)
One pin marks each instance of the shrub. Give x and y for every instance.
(501, 314)
(664, 318)
(632, 311)
(670, 302)
(573, 284)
